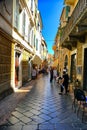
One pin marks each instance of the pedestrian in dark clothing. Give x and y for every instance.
(65, 81)
(51, 74)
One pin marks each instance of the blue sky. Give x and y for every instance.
(50, 12)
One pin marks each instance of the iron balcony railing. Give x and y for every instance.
(79, 10)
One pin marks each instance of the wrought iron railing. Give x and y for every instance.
(78, 11)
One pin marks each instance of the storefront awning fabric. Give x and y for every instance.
(36, 60)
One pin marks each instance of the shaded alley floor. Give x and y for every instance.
(42, 108)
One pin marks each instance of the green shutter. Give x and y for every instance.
(67, 10)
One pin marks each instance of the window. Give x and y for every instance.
(16, 13)
(36, 44)
(29, 32)
(34, 40)
(24, 22)
(67, 11)
(16, 20)
(32, 6)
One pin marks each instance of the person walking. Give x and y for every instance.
(34, 73)
(65, 81)
(54, 73)
(51, 74)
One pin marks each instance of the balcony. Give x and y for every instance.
(76, 26)
(69, 1)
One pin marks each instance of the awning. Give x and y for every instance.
(55, 63)
(36, 60)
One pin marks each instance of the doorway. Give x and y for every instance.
(85, 70)
(17, 56)
(29, 70)
(73, 67)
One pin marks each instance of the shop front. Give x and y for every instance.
(18, 66)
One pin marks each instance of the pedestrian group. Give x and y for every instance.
(63, 81)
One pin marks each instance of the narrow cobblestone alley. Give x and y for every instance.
(44, 109)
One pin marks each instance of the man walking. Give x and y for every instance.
(65, 81)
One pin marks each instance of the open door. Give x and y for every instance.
(17, 56)
(73, 67)
(85, 70)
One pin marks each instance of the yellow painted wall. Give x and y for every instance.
(79, 53)
(72, 6)
(25, 68)
(80, 60)
(61, 59)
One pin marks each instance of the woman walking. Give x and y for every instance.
(51, 74)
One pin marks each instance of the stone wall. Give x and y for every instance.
(5, 64)
(25, 68)
(79, 54)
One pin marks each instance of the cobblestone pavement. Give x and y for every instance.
(42, 108)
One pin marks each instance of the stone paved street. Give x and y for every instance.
(44, 109)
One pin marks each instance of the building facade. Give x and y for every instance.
(44, 50)
(20, 41)
(74, 38)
